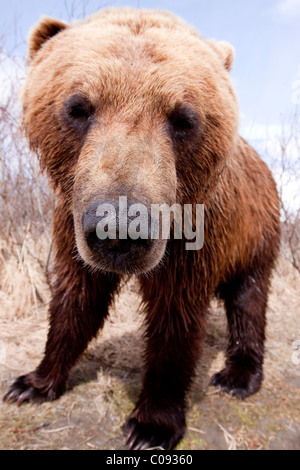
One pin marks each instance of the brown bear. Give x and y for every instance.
(135, 103)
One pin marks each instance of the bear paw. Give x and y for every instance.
(147, 435)
(25, 389)
(237, 382)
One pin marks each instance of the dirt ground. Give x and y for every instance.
(104, 385)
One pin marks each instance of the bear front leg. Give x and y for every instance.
(78, 308)
(174, 333)
(75, 318)
(245, 300)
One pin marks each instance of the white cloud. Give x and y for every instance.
(12, 72)
(288, 9)
(260, 132)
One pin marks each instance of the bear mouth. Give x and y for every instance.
(136, 259)
(122, 256)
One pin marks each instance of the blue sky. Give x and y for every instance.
(265, 34)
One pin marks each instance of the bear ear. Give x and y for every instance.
(225, 51)
(44, 30)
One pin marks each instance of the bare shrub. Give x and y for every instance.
(26, 207)
(287, 168)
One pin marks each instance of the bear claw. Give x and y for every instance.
(142, 436)
(19, 392)
(23, 390)
(239, 384)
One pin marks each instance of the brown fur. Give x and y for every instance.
(139, 71)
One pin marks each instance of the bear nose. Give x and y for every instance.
(110, 242)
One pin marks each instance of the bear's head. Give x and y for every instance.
(131, 104)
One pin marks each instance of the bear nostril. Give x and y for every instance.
(93, 241)
(90, 220)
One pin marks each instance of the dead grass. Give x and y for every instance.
(105, 383)
(23, 283)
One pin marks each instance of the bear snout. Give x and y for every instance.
(110, 237)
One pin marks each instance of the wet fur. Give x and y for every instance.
(215, 167)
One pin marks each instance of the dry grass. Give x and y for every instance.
(105, 384)
(23, 283)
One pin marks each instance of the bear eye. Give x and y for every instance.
(77, 111)
(184, 122)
